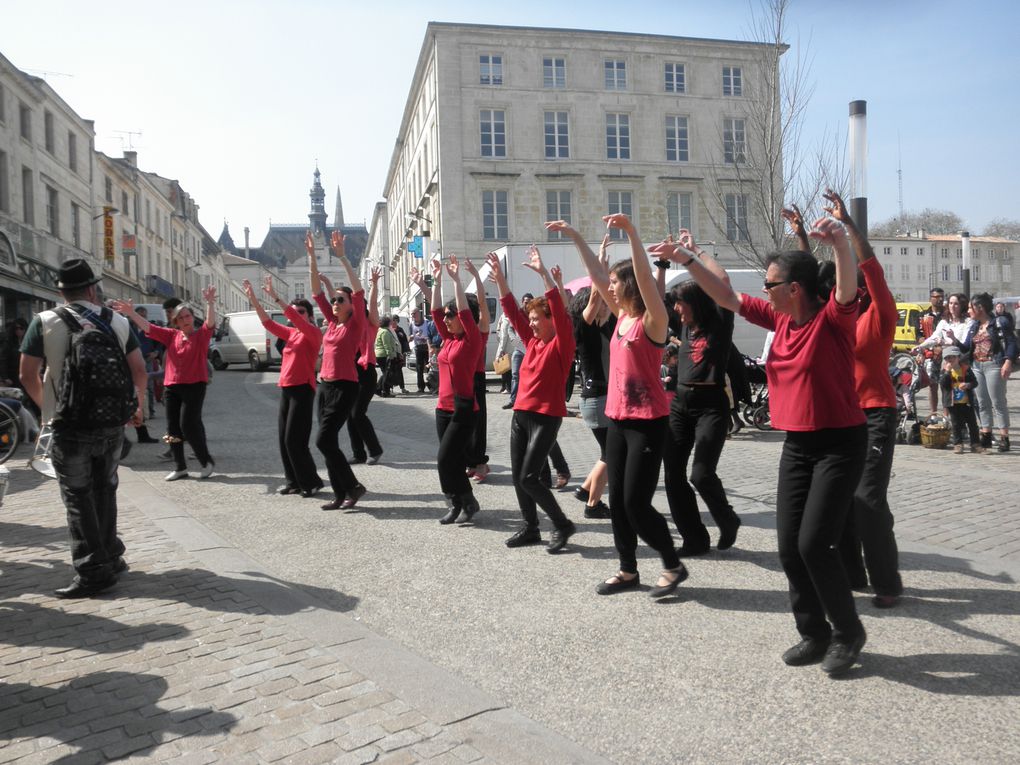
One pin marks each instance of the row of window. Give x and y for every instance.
(554, 74)
(49, 130)
(28, 203)
(559, 206)
(556, 132)
(975, 252)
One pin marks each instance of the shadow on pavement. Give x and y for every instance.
(30, 535)
(956, 674)
(30, 624)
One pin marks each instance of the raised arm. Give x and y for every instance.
(719, 289)
(710, 263)
(597, 270)
(591, 311)
(437, 283)
(253, 298)
(483, 308)
(209, 295)
(793, 216)
(127, 307)
(453, 269)
(313, 265)
(373, 297)
(496, 275)
(829, 231)
(534, 263)
(655, 319)
(837, 209)
(352, 276)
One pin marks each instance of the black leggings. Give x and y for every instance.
(294, 427)
(699, 420)
(359, 427)
(818, 471)
(454, 430)
(476, 454)
(531, 437)
(184, 421)
(336, 400)
(633, 456)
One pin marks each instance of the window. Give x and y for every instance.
(72, 151)
(620, 202)
(108, 189)
(905, 271)
(959, 273)
(48, 132)
(976, 253)
(887, 250)
(616, 75)
(490, 69)
(124, 209)
(736, 217)
(732, 82)
(27, 197)
(903, 250)
(676, 139)
(557, 139)
(675, 80)
(617, 136)
(945, 252)
(25, 121)
(976, 272)
(1007, 273)
(76, 225)
(990, 272)
(733, 141)
(3, 105)
(148, 215)
(52, 212)
(495, 217)
(492, 123)
(920, 250)
(5, 193)
(678, 211)
(922, 272)
(554, 72)
(945, 272)
(557, 207)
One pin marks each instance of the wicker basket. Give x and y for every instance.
(934, 436)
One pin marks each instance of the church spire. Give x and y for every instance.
(338, 215)
(317, 216)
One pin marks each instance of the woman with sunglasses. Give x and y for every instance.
(636, 406)
(810, 371)
(338, 376)
(297, 387)
(186, 376)
(457, 324)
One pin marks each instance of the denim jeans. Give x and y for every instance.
(86, 464)
(515, 370)
(991, 395)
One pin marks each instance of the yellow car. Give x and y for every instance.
(908, 326)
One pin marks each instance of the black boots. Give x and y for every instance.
(986, 440)
(460, 503)
(1003, 444)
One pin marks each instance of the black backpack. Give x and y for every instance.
(97, 389)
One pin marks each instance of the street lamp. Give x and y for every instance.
(859, 164)
(965, 244)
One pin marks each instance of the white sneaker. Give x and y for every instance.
(206, 470)
(176, 475)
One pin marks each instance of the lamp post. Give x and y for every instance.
(965, 245)
(859, 164)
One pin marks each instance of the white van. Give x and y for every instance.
(241, 339)
(153, 312)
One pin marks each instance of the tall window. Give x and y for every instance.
(976, 268)
(3, 105)
(616, 75)
(945, 272)
(676, 139)
(736, 217)
(50, 143)
(25, 121)
(1007, 272)
(124, 209)
(620, 202)
(52, 211)
(732, 81)
(554, 73)
(617, 136)
(678, 211)
(495, 216)
(557, 207)
(922, 272)
(905, 271)
(733, 141)
(676, 81)
(27, 197)
(148, 215)
(76, 225)
(108, 190)
(959, 273)
(5, 192)
(72, 151)
(557, 138)
(492, 123)
(490, 69)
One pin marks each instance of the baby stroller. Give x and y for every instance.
(906, 372)
(757, 411)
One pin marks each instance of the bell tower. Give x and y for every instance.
(317, 216)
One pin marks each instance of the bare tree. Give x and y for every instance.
(1007, 228)
(929, 220)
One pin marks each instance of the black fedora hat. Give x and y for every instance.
(75, 274)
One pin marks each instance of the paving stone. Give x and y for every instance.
(399, 740)
(360, 737)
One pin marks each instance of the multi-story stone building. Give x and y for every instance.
(506, 127)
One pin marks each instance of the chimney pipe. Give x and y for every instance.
(247, 253)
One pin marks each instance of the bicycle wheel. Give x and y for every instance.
(762, 420)
(9, 434)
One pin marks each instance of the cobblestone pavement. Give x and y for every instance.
(256, 628)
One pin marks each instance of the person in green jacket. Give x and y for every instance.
(385, 355)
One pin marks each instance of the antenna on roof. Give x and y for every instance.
(121, 134)
(45, 73)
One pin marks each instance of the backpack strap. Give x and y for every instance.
(69, 317)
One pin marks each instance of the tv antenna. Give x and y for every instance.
(44, 73)
(128, 136)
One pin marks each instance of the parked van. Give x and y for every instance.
(153, 312)
(908, 326)
(241, 339)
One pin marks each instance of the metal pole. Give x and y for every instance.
(965, 244)
(859, 164)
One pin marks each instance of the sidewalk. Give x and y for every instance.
(210, 659)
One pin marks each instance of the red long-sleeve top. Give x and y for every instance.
(186, 359)
(303, 341)
(457, 359)
(876, 329)
(341, 341)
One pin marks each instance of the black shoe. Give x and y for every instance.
(288, 489)
(148, 440)
(668, 589)
(1003, 445)
(454, 512)
(120, 566)
(469, 505)
(986, 440)
(692, 551)
(336, 504)
(599, 510)
(885, 601)
(610, 587)
(373, 459)
(841, 656)
(360, 459)
(306, 493)
(529, 535)
(581, 494)
(560, 537)
(353, 496)
(807, 651)
(80, 589)
(728, 535)
(508, 406)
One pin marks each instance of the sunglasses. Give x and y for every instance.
(770, 285)
(301, 311)
(450, 315)
(338, 300)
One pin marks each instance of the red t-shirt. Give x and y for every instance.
(457, 359)
(480, 369)
(635, 387)
(186, 359)
(301, 351)
(810, 368)
(876, 329)
(366, 351)
(542, 385)
(341, 342)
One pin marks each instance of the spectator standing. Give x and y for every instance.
(958, 386)
(420, 340)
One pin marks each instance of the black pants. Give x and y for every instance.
(385, 384)
(184, 421)
(359, 427)
(813, 500)
(963, 417)
(531, 437)
(454, 430)
(559, 463)
(477, 455)
(699, 420)
(421, 358)
(294, 428)
(633, 456)
(336, 400)
(86, 465)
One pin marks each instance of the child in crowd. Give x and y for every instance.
(957, 382)
(432, 369)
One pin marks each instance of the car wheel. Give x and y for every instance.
(254, 362)
(217, 361)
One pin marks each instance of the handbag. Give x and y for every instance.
(501, 365)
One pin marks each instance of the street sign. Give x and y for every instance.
(416, 247)
(109, 252)
(394, 302)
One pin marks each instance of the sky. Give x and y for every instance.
(239, 100)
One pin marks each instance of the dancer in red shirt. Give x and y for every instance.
(365, 446)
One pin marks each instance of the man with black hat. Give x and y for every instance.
(85, 460)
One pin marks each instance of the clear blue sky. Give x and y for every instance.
(238, 100)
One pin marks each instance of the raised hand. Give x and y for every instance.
(209, 294)
(793, 216)
(495, 271)
(557, 275)
(377, 274)
(686, 240)
(437, 268)
(125, 307)
(827, 231)
(267, 287)
(534, 261)
(310, 245)
(338, 244)
(453, 268)
(470, 268)
(604, 249)
(248, 290)
(618, 221)
(561, 226)
(836, 208)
